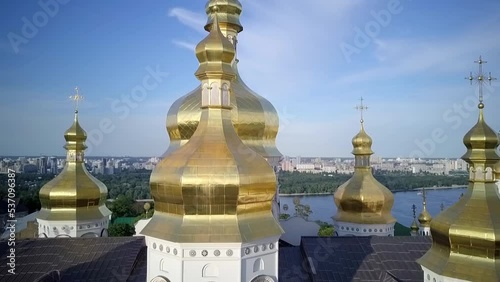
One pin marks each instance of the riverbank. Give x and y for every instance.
(441, 187)
(410, 190)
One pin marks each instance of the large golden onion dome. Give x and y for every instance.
(362, 199)
(255, 119)
(466, 236)
(208, 190)
(74, 194)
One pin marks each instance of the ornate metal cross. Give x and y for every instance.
(361, 108)
(480, 78)
(76, 98)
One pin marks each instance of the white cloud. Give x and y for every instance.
(187, 45)
(189, 18)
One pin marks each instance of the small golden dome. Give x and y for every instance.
(362, 199)
(362, 143)
(228, 13)
(75, 135)
(215, 54)
(425, 218)
(74, 194)
(481, 141)
(414, 226)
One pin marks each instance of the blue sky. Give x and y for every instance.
(410, 70)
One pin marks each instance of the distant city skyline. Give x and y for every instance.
(407, 61)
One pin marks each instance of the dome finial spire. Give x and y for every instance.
(76, 98)
(361, 108)
(480, 79)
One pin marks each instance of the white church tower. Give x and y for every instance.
(213, 216)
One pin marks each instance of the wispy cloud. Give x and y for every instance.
(189, 18)
(187, 45)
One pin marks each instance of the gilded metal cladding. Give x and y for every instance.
(362, 199)
(424, 217)
(414, 226)
(213, 188)
(466, 236)
(254, 118)
(209, 180)
(74, 194)
(228, 13)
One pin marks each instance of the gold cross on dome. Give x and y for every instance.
(414, 208)
(480, 78)
(361, 108)
(76, 98)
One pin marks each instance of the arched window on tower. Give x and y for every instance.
(489, 174)
(258, 265)
(205, 95)
(225, 95)
(210, 270)
(214, 94)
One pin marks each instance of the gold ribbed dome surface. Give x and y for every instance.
(362, 199)
(208, 190)
(425, 218)
(255, 119)
(74, 194)
(466, 236)
(228, 12)
(362, 142)
(215, 55)
(481, 140)
(414, 226)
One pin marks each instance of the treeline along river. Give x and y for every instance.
(323, 206)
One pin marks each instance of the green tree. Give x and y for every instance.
(123, 207)
(121, 230)
(325, 230)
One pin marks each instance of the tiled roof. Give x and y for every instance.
(318, 259)
(76, 259)
(365, 258)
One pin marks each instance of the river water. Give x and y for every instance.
(324, 208)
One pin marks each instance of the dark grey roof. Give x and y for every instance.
(364, 258)
(76, 259)
(317, 259)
